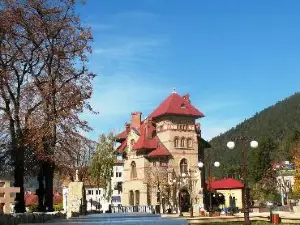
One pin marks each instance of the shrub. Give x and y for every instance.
(58, 207)
(33, 208)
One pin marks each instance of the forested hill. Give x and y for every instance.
(278, 122)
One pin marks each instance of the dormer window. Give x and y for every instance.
(182, 105)
(132, 142)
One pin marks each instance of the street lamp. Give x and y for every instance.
(253, 144)
(201, 165)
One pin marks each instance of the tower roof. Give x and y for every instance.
(175, 104)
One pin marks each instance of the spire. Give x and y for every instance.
(174, 90)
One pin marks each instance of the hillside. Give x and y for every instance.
(278, 121)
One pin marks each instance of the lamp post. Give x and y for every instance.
(253, 144)
(201, 165)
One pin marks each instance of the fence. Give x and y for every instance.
(132, 209)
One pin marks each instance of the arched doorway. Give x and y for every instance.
(184, 200)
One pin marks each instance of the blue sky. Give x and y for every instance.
(235, 58)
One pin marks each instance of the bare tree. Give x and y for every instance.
(156, 179)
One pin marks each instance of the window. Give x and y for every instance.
(133, 170)
(118, 174)
(182, 142)
(176, 142)
(183, 166)
(96, 192)
(89, 192)
(189, 143)
(99, 192)
(131, 198)
(132, 142)
(137, 197)
(163, 163)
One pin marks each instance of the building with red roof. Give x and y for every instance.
(167, 142)
(232, 190)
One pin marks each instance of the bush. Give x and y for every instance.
(33, 208)
(58, 207)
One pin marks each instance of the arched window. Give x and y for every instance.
(133, 170)
(176, 142)
(132, 142)
(182, 142)
(131, 198)
(189, 143)
(183, 166)
(137, 197)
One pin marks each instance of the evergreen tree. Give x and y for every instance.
(260, 160)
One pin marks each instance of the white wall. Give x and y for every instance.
(118, 177)
(96, 199)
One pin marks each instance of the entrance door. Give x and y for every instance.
(184, 198)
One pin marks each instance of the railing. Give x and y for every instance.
(132, 209)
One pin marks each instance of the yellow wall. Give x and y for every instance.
(237, 193)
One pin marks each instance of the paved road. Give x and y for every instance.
(126, 219)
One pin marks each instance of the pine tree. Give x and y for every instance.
(260, 160)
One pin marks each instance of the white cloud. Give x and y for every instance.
(123, 85)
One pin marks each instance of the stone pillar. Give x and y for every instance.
(75, 199)
(65, 198)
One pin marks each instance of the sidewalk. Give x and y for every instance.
(286, 217)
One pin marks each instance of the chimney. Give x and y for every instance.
(127, 127)
(136, 119)
(187, 97)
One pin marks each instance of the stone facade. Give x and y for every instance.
(176, 134)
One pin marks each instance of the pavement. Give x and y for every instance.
(168, 219)
(113, 219)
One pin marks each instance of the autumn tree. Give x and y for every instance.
(156, 179)
(44, 82)
(102, 162)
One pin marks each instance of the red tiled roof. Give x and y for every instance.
(122, 136)
(175, 104)
(123, 145)
(228, 183)
(146, 139)
(161, 150)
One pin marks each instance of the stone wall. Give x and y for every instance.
(20, 218)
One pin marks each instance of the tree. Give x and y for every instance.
(296, 157)
(156, 179)
(102, 163)
(44, 82)
(260, 160)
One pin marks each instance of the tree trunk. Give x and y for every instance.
(18, 154)
(41, 190)
(49, 175)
